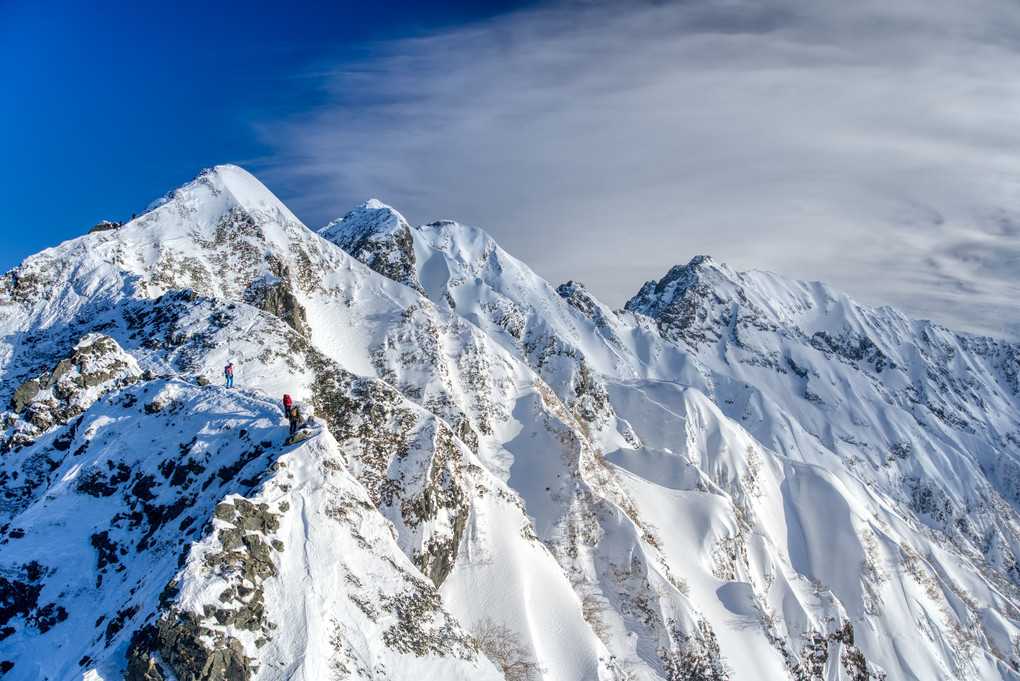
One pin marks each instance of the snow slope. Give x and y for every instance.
(738, 476)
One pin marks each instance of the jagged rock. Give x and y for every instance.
(246, 516)
(58, 372)
(231, 539)
(96, 366)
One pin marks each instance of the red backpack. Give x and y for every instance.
(286, 402)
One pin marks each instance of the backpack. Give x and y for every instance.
(287, 402)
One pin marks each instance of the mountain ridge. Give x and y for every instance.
(736, 476)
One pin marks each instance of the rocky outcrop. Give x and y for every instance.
(104, 226)
(24, 395)
(181, 642)
(195, 645)
(274, 293)
(95, 366)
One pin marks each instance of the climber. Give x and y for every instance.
(292, 412)
(228, 373)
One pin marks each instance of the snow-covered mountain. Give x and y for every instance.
(738, 476)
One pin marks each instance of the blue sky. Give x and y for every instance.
(107, 106)
(873, 145)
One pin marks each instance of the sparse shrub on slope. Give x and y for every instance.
(506, 649)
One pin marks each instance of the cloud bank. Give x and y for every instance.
(871, 145)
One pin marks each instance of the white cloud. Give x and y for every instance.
(871, 145)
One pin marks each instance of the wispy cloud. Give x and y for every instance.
(872, 145)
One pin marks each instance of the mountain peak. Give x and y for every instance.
(222, 188)
(578, 296)
(656, 296)
(380, 237)
(376, 204)
(371, 220)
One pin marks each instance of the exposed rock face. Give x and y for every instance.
(274, 293)
(195, 646)
(415, 476)
(578, 297)
(277, 298)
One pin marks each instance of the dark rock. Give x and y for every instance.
(232, 539)
(169, 592)
(106, 549)
(19, 597)
(379, 238)
(103, 226)
(155, 406)
(178, 638)
(254, 518)
(49, 615)
(96, 483)
(258, 549)
(63, 367)
(24, 394)
(38, 414)
(224, 511)
(275, 295)
(297, 437)
(230, 472)
(143, 488)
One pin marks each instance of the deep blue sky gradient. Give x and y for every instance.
(105, 106)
